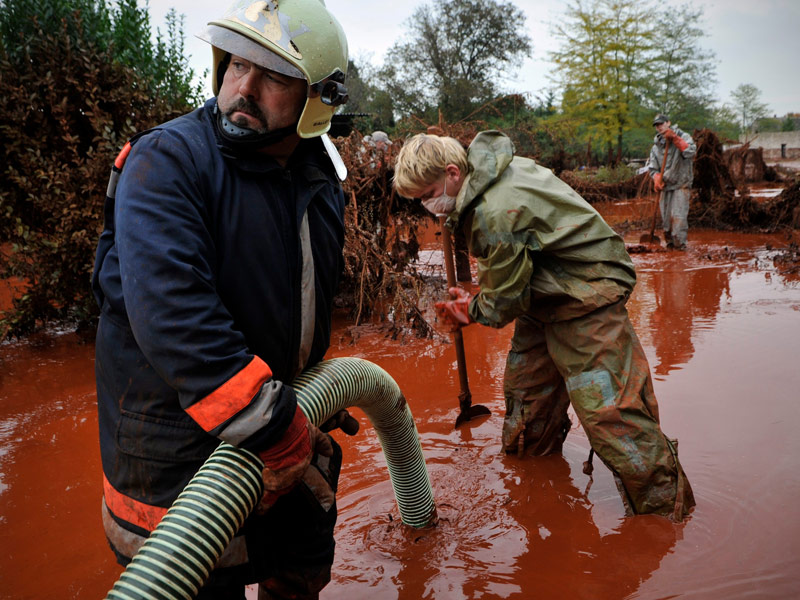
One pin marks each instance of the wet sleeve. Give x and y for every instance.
(691, 150)
(504, 274)
(653, 163)
(167, 265)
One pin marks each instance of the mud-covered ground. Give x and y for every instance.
(720, 324)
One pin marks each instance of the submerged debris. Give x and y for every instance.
(644, 248)
(787, 262)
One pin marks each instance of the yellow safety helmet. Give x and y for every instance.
(298, 38)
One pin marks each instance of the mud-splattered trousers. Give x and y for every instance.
(675, 215)
(597, 364)
(547, 261)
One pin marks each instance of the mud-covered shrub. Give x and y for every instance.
(594, 190)
(380, 282)
(67, 105)
(721, 197)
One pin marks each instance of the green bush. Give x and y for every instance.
(616, 174)
(68, 103)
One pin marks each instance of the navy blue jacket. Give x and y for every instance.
(198, 276)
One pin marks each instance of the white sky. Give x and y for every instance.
(755, 41)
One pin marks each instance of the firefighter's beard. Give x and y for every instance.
(248, 107)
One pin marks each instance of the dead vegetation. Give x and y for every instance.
(721, 196)
(380, 281)
(747, 164)
(595, 192)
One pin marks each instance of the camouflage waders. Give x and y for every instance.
(596, 362)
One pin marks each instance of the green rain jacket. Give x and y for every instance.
(541, 249)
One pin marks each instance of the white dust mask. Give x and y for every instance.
(440, 205)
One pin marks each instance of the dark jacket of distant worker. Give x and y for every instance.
(675, 183)
(547, 261)
(216, 272)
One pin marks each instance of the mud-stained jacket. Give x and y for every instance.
(200, 277)
(678, 172)
(541, 249)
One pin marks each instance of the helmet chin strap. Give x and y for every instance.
(244, 138)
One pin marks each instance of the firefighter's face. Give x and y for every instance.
(260, 99)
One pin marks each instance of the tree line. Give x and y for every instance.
(618, 63)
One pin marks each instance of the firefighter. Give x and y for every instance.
(215, 272)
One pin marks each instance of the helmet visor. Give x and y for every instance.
(238, 45)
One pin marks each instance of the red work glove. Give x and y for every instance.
(675, 139)
(286, 462)
(455, 313)
(658, 181)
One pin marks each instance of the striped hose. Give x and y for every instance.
(179, 555)
(343, 382)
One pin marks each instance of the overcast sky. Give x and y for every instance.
(755, 41)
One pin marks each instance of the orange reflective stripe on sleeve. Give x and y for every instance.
(122, 156)
(140, 514)
(232, 396)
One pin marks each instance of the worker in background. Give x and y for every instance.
(374, 148)
(547, 261)
(675, 184)
(216, 272)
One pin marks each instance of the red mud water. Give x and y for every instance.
(721, 328)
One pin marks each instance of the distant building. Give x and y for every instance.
(776, 145)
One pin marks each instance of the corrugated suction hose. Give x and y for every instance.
(179, 555)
